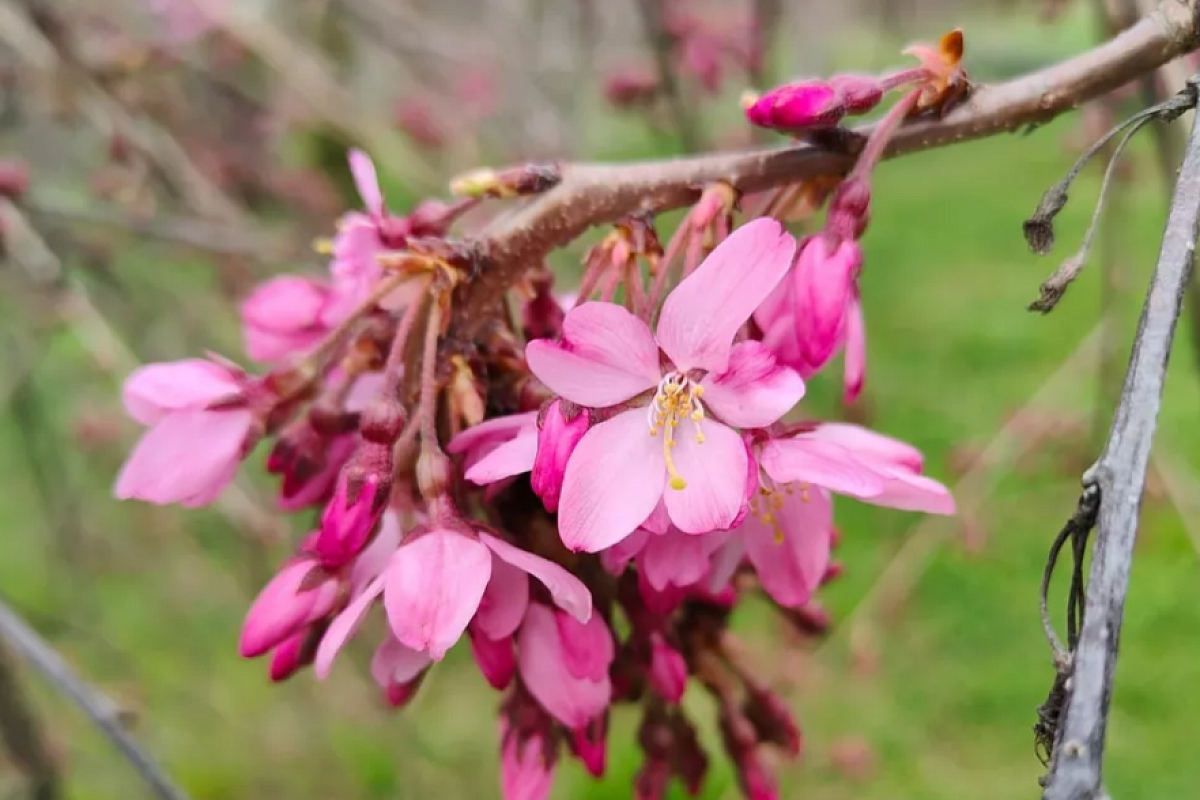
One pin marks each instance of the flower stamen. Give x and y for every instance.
(675, 399)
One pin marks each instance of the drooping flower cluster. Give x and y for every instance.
(583, 493)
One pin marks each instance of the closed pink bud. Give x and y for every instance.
(496, 658)
(797, 106)
(350, 516)
(398, 670)
(561, 427)
(283, 316)
(590, 745)
(825, 276)
(861, 93)
(542, 315)
(849, 209)
(526, 766)
(756, 781)
(290, 656)
(299, 593)
(773, 720)
(668, 669)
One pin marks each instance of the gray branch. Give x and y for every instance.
(1117, 480)
(102, 711)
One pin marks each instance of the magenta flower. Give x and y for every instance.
(564, 664)
(283, 316)
(200, 427)
(681, 447)
(797, 106)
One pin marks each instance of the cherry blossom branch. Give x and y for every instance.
(594, 194)
(1112, 498)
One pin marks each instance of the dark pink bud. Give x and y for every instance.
(300, 593)
(542, 315)
(382, 421)
(590, 745)
(652, 779)
(668, 669)
(691, 762)
(350, 516)
(849, 209)
(756, 781)
(399, 695)
(561, 427)
(861, 93)
(290, 656)
(659, 602)
(824, 280)
(496, 658)
(797, 106)
(772, 719)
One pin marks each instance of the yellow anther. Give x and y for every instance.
(323, 246)
(678, 483)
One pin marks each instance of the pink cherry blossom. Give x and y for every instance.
(681, 448)
(200, 427)
(292, 599)
(283, 316)
(796, 106)
(568, 676)
(498, 448)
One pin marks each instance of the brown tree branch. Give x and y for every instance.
(594, 194)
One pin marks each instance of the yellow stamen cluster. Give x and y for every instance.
(677, 399)
(767, 504)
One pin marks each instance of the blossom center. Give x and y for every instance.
(767, 504)
(676, 399)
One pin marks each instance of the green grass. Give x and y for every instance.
(940, 681)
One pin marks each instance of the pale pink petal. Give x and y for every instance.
(267, 346)
(364, 391)
(855, 371)
(909, 492)
(725, 562)
(755, 391)
(496, 429)
(343, 628)
(511, 458)
(375, 556)
(188, 457)
(154, 390)
(504, 601)
(705, 311)
(286, 304)
(394, 663)
(614, 479)
(821, 463)
(588, 649)
(715, 471)
(659, 521)
(790, 554)
(570, 700)
(432, 588)
(366, 181)
(869, 446)
(605, 357)
(283, 607)
(674, 558)
(614, 559)
(568, 592)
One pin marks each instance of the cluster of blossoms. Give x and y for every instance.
(584, 492)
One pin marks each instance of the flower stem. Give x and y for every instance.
(883, 132)
(427, 408)
(394, 368)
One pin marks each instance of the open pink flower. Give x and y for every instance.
(681, 448)
(200, 427)
(435, 584)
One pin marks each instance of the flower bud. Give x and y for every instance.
(496, 658)
(772, 719)
(561, 427)
(861, 93)
(668, 669)
(433, 473)
(797, 106)
(542, 315)
(300, 593)
(382, 421)
(849, 209)
(824, 277)
(590, 746)
(358, 501)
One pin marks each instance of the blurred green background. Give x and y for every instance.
(928, 684)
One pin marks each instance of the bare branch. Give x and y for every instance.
(593, 194)
(102, 711)
(23, 737)
(1118, 479)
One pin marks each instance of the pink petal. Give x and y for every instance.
(268, 346)
(614, 559)
(659, 521)
(614, 479)
(668, 669)
(855, 371)
(283, 607)
(154, 390)
(715, 471)
(755, 391)
(588, 649)
(286, 303)
(540, 661)
(498, 429)
(188, 457)
(343, 627)
(511, 458)
(909, 492)
(432, 588)
(524, 772)
(705, 311)
(364, 391)
(824, 286)
(568, 592)
(725, 562)
(504, 601)
(375, 556)
(674, 559)
(366, 181)
(790, 568)
(805, 460)
(394, 663)
(605, 357)
(869, 446)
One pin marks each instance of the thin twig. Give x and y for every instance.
(99, 709)
(661, 41)
(23, 737)
(1119, 478)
